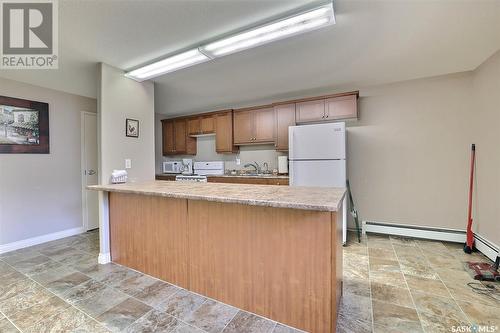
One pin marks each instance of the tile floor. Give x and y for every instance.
(391, 284)
(394, 284)
(59, 287)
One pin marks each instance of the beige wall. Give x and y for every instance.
(121, 98)
(486, 109)
(41, 193)
(408, 155)
(206, 152)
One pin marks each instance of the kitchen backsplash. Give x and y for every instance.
(247, 154)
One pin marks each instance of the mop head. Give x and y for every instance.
(483, 271)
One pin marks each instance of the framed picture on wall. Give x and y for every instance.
(24, 126)
(132, 128)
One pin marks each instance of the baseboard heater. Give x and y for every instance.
(441, 234)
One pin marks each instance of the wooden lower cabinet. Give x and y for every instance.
(165, 177)
(235, 180)
(283, 264)
(249, 180)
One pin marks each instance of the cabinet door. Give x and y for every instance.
(285, 117)
(224, 133)
(264, 125)
(310, 111)
(193, 125)
(207, 125)
(180, 135)
(168, 137)
(344, 107)
(244, 127)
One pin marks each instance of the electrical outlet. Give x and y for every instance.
(238, 161)
(128, 163)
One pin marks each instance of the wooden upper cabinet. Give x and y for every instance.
(310, 111)
(264, 125)
(201, 125)
(207, 124)
(328, 108)
(168, 137)
(224, 132)
(284, 118)
(344, 107)
(243, 127)
(193, 125)
(180, 135)
(175, 138)
(254, 125)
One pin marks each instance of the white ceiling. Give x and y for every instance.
(373, 42)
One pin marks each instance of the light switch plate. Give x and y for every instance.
(128, 163)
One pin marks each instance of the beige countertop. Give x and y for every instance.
(307, 198)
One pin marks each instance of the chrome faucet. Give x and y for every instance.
(255, 165)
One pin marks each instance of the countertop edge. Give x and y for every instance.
(256, 202)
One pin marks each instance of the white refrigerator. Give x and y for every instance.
(317, 155)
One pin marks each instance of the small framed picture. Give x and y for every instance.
(132, 128)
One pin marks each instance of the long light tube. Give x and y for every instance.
(167, 65)
(284, 28)
(290, 26)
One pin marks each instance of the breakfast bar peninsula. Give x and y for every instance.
(272, 250)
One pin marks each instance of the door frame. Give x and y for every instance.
(82, 166)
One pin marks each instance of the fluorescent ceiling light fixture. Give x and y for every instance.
(298, 23)
(287, 27)
(167, 65)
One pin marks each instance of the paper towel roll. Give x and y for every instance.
(282, 164)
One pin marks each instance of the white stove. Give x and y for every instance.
(191, 178)
(214, 168)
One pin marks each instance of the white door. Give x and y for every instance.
(317, 142)
(89, 171)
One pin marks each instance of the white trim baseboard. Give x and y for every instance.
(486, 247)
(104, 258)
(40, 239)
(448, 235)
(441, 234)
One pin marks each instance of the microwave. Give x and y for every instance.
(172, 167)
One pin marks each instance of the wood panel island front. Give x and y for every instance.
(272, 250)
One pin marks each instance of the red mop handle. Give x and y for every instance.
(470, 236)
